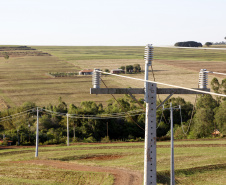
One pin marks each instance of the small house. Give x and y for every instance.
(216, 132)
(9, 143)
(86, 72)
(117, 71)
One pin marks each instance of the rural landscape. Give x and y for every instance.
(107, 131)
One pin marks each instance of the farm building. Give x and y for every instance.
(86, 72)
(9, 143)
(117, 71)
(216, 132)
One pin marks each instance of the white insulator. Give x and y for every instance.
(148, 54)
(96, 78)
(203, 79)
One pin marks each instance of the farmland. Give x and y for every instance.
(25, 78)
(196, 162)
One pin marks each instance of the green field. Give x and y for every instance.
(26, 78)
(196, 162)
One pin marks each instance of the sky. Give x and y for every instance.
(111, 22)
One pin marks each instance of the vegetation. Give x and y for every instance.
(209, 116)
(208, 44)
(206, 164)
(62, 74)
(188, 44)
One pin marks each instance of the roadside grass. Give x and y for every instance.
(191, 161)
(12, 173)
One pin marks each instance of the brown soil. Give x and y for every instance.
(122, 176)
(103, 157)
(197, 65)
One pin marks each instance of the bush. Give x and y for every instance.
(105, 139)
(90, 140)
(188, 44)
(163, 138)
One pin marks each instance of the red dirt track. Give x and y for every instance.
(122, 176)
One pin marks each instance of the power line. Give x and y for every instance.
(123, 107)
(15, 115)
(160, 83)
(195, 48)
(215, 72)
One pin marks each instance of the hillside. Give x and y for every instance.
(25, 77)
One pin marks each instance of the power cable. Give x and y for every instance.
(122, 107)
(189, 89)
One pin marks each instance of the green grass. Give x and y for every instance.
(190, 162)
(131, 52)
(12, 173)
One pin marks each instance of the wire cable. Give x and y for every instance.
(16, 114)
(122, 107)
(215, 72)
(160, 83)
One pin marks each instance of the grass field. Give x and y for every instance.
(25, 78)
(196, 162)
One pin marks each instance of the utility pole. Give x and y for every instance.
(172, 175)
(67, 129)
(150, 91)
(107, 129)
(37, 137)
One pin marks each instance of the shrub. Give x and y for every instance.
(105, 139)
(90, 140)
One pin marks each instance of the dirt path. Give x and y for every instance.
(122, 176)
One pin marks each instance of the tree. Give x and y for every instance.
(220, 117)
(129, 68)
(6, 56)
(219, 88)
(107, 71)
(204, 117)
(208, 44)
(188, 44)
(137, 68)
(122, 67)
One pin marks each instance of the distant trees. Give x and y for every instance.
(209, 115)
(107, 70)
(208, 44)
(204, 117)
(137, 68)
(122, 67)
(131, 68)
(188, 44)
(6, 56)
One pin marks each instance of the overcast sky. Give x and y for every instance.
(111, 22)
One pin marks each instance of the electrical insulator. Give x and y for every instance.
(203, 79)
(148, 54)
(96, 78)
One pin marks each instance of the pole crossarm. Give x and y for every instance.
(141, 91)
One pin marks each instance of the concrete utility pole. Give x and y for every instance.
(37, 135)
(172, 175)
(150, 91)
(67, 129)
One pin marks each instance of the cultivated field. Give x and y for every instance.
(25, 78)
(196, 162)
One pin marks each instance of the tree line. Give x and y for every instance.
(209, 115)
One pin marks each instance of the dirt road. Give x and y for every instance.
(122, 176)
